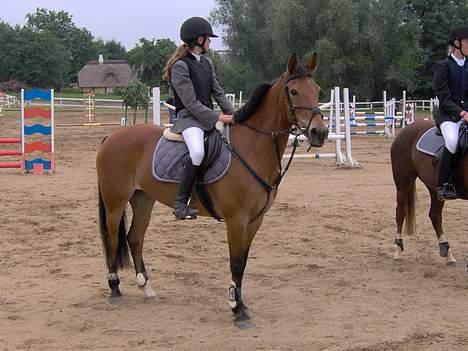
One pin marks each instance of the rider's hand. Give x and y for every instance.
(464, 115)
(226, 119)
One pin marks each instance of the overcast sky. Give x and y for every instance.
(124, 20)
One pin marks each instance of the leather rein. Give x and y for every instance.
(297, 129)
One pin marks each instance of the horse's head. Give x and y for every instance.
(303, 100)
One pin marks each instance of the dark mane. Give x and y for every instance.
(246, 111)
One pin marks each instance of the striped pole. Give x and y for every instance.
(52, 132)
(22, 131)
(156, 106)
(339, 156)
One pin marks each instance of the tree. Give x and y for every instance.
(149, 57)
(135, 97)
(78, 43)
(233, 76)
(42, 60)
(366, 45)
(436, 18)
(110, 49)
(8, 51)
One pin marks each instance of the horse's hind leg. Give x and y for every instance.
(142, 205)
(435, 213)
(402, 203)
(114, 237)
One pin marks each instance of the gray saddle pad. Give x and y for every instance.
(430, 143)
(169, 157)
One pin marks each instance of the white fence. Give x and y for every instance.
(62, 103)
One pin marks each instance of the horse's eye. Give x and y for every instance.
(294, 92)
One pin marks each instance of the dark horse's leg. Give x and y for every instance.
(240, 236)
(404, 176)
(404, 211)
(113, 233)
(142, 205)
(435, 213)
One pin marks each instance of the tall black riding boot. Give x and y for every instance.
(445, 190)
(184, 191)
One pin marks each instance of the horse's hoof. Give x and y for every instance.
(148, 291)
(116, 300)
(243, 320)
(398, 253)
(451, 263)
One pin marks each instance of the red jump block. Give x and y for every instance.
(10, 153)
(32, 112)
(10, 165)
(10, 140)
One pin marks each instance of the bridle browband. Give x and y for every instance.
(297, 129)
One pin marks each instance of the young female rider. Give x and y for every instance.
(451, 87)
(194, 82)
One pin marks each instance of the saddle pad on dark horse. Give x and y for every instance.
(168, 162)
(430, 143)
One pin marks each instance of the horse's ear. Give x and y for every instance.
(292, 64)
(313, 63)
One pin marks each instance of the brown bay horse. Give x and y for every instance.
(408, 163)
(260, 136)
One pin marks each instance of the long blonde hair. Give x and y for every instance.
(180, 52)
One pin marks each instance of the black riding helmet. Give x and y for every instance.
(458, 33)
(193, 27)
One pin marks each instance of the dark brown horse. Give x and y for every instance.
(260, 137)
(408, 164)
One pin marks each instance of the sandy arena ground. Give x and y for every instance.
(320, 274)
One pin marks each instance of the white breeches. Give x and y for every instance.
(450, 132)
(194, 139)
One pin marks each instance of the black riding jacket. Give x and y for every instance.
(450, 85)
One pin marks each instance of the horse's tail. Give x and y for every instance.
(122, 258)
(410, 209)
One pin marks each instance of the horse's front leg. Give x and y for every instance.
(240, 235)
(435, 213)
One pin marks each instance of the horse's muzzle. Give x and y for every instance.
(317, 135)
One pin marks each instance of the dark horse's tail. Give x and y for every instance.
(404, 175)
(410, 209)
(122, 258)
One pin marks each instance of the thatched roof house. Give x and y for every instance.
(104, 75)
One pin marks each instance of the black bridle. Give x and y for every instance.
(297, 129)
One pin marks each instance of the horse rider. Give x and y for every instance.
(450, 84)
(194, 82)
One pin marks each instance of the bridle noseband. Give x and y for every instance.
(296, 124)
